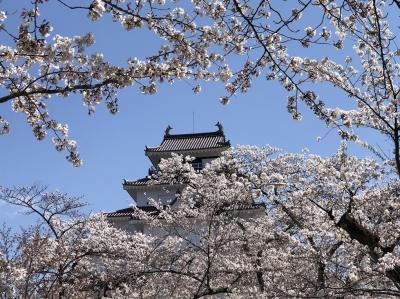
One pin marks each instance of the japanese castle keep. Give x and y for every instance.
(204, 147)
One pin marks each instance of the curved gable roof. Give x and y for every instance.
(195, 141)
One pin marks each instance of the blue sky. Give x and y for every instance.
(112, 147)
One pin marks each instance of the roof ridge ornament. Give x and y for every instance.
(220, 127)
(167, 130)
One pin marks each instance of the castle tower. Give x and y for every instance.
(204, 147)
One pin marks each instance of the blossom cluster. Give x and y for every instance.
(228, 41)
(255, 222)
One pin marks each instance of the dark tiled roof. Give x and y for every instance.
(143, 182)
(195, 141)
(140, 182)
(129, 212)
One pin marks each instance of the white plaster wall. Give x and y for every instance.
(164, 195)
(206, 161)
(132, 193)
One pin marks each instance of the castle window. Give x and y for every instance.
(197, 164)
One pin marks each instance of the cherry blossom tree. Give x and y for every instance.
(65, 254)
(254, 223)
(330, 227)
(261, 223)
(229, 41)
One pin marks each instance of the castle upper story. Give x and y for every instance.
(203, 147)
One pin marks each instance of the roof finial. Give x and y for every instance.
(167, 130)
(220, 127)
